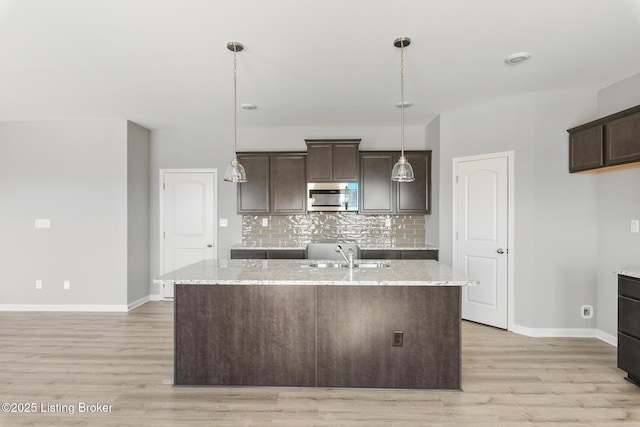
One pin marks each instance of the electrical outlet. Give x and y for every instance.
(635, 226)
(265, 222)
(387, 222)
(38, 284)
(67, 285)
(586, 311)
(398, 338)
(224, 222)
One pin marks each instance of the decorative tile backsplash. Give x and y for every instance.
(368, 230)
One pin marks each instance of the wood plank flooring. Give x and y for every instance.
(60, 361)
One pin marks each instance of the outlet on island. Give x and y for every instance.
(398, 338)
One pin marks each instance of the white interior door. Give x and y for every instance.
(188, 219)
(481, 237)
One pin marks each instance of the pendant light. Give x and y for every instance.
(235, 171)
(402, 170)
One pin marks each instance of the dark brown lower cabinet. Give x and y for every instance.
(326, 336)
(399, 254)
(629, 327)
(244, 335)
(356, 327)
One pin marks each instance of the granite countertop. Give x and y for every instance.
(298, 272)
(631, 272)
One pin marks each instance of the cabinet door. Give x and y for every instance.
(286, 254)
(623, 140)
(253, 195)
(419, 254)
(586, 149)
(319, 162)
(378, 254)
(376, 188)
(345, 162)
(288, 183)
(248, 254)
(415, 197)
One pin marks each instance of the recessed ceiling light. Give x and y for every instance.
(517, 58)
(407, 104)
(248, 106)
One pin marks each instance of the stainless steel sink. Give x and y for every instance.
(327, 264)
(372, 264)
(357, 264)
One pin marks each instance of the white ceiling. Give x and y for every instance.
(164, 63)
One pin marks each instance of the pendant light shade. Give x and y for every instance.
(235, 171)
(402, 170)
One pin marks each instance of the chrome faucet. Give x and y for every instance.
(348, 259)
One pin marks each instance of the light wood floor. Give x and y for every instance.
(126, 360)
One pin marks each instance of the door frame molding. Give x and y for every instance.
(510, 155)
(162, 173)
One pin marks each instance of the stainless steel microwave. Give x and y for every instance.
(332, 196)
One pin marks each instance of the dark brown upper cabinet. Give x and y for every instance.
(377, 191)
(380, 195)
(415, 197)
(275, 183)
(331, 160)
(612, 142)
(288, 186)
(253, 195)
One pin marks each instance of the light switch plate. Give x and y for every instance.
(635, 226)
(43, 223)
(67, 285)
(224, 222)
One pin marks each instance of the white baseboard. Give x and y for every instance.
(608, 338)
(565, 333)
(139, 302)
(65, 307)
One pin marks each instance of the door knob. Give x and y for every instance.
(500, 251)
(209, 245)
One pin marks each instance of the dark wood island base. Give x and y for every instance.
(318, 336)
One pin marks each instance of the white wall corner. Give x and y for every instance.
(139, 302)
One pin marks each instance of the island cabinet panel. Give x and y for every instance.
(355, 336)
(244, 335)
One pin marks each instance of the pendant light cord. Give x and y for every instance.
(235, 102)
(402, 98)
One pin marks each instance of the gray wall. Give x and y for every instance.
(555, 213)
(75, 174)
(618, 203)
(432, 221)
(138, 213)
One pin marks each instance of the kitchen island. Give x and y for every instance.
(388, 324)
